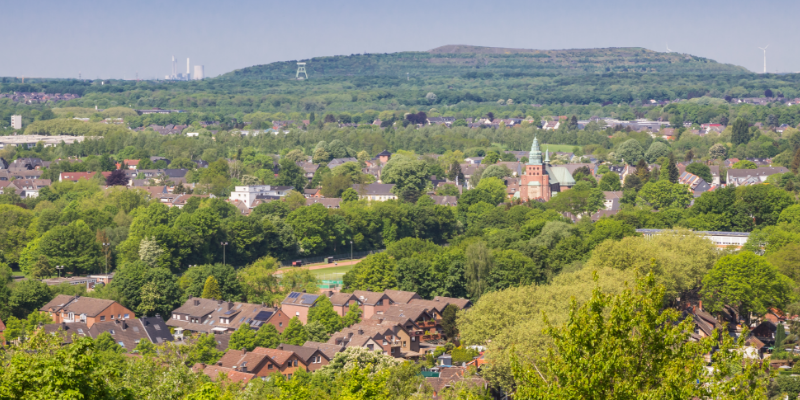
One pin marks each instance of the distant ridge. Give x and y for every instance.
(458, 60)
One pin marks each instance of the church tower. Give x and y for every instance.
(535, 183)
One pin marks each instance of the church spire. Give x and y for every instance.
(535, 156)
(547, 156)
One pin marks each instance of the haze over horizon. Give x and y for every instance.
(118, 40)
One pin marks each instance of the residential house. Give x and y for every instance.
(76, 176)
(309, 169)
(128, 333)
(64, 308)
(214, 372)
(372, 337)
(744, 177)
(312, 357)
(248, 194)
(451, 201)
(375, 191)
(400, 296)
(31, 187)
(383, 157)
(329, 350)
(327, 202)
(309, 193)
(341, 301)
(286, 362)
(612, 200)
(339, 161)
(66, 330)
(250, 362)
(551, 125)
(372, 303)
(217, 316)
(462, 304)
(696, 184)
(297, 304)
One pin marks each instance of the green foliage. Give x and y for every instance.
(323, 313)
(243, 338)
(665, 194)
(748, 283)
(630, 151)
(211, 289)
(701, 170)
(409, 175)
(268, 336)
(28, 296)
(744, 164)
(608, 337)
(294, 333)
(449, 321)
(202, 350)
(374, 273)
(105, 342)
(609, 182)
(352, 316)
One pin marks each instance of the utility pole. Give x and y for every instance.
(351, 249)
(223, 251)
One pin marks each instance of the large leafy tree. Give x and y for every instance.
(291, 175)
(353, 315)
(375, 272)
(211, 289)
(243, 338)
(413, 275)
(15, 232)
(478, 268)
(294, 333)
(323, 312)
(314, 226)
(610, 182)
(268, 336)
(748, 283)
(630, 151)
(665, 194)
(72, 246)
(28, 296)
(409, 175)
(627, 346)
(701, 170)
(449, 321)
(740, 132)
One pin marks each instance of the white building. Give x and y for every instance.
(248, 194)
(16, 122)
(720, 239)
(198, 73)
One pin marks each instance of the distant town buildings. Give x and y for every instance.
(30, 141)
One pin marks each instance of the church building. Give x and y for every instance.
(541, 181)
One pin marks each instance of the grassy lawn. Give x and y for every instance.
(333, 273)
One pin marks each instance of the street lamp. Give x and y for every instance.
(351, 249)
(59, 268)
(105, 247)
(223, 251)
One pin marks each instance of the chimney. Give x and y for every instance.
(244, 367)
(219, 302)
(280, 347)
(244, 351)
(219, 363)
(196, 302)
(235, 367)
(303, 292)
(124, 325)
(230, 305)
(701, 305)
(190, 297)
(360, 331)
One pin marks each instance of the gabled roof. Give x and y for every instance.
(341, 299)
(300, 299)
(67, 330)
(126, 333)
(280, 357)
(77, 304)
(236, 359)
(213, 371)
(329, 350)
(302, 352)
(460, 303)
(370, 298)
(401, 297)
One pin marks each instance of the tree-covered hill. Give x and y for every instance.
(474, 61)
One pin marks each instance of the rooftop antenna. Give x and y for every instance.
(765, 57)
(301, 69)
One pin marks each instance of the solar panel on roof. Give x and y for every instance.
(229, 312)
(308, 299)
(293, 295)
(263, 315)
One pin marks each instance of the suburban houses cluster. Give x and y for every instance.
(38, 97)
(396, 323)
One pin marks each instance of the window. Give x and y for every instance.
(379, 303)
(102, 318)
(280, 323)
(121, 344)
(112, 316)
(269, 366)
(297, 313)
(111, 332)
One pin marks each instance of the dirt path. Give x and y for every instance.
(323, 266)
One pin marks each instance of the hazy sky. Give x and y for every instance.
(117, 39)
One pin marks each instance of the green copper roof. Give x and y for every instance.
(535, 154)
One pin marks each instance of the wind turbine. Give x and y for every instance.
(765, 57)
(668, 50)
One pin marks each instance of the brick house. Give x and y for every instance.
(64, 308)
(217, 316)
(372, 303)
(297, 304)
(312, 357)
(341, 301)
(286, 362)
